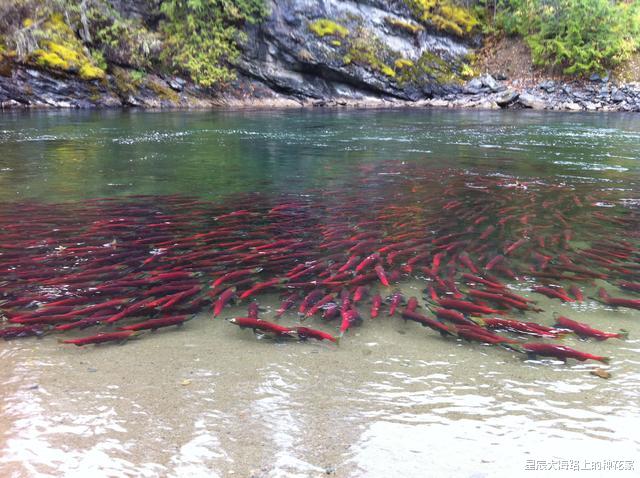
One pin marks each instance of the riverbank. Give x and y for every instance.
(28, 88)
(288, 54)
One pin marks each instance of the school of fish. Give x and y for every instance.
(127, 265)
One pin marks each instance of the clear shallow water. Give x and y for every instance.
(393, 399)
(74, 155)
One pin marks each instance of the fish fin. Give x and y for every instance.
(515, 348)
(563, 337)
(623, 334)
(605, 359)
(531, 356)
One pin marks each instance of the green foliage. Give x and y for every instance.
(443, 15)
(98, 59)
(137, 76)
(202, 36)
(122, 41)
(325, 27)
(581, 36)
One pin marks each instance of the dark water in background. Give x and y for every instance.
(392, 400)
(75, 155)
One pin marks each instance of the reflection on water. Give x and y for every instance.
(393, 399)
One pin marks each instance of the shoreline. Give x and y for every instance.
(29, 89)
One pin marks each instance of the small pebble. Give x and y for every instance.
(600, 373)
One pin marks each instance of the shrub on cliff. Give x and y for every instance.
(581, 36)
(202, 36)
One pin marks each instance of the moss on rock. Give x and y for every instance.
(60, 50)
(408, 27)
(325, 27)
(443, 15)
(367, 50)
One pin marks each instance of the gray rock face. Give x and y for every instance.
(284, 54)
(491, 83)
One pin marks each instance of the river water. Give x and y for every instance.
(393, 399)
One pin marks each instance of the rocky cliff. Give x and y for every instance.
(345, 50)
(304, 50)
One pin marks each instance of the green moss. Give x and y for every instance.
(412, 28)
(60, 50)
(65, 52)
(467, 71)
(325, 27)
(365, 49)
(89, 72)
(95, 94)
(49, 60)
(430, 67)
(387, 70)
(123, 82)
(335, 42)
(401, 63)
(443, 15)
(137, 77)
(163, 91)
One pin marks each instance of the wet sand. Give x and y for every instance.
(394, 399)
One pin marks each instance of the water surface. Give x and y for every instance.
(394, 399)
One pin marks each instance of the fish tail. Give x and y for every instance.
(623, 334)
(604, 359)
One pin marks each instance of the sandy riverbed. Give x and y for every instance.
(393, 400)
